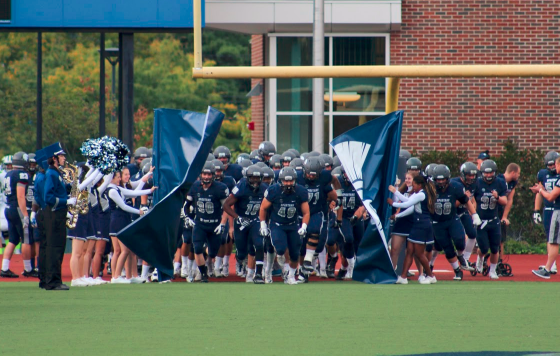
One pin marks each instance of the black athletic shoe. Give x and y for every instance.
(463, 263)
(258, 279)
(307, 267)
(541, 272)
(8, 274)
(60, 287)
(109, 272)
(341, 274)
(331, 265)
(204, 278)
(458, 275)
(31, 274)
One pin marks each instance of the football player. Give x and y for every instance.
(286, 158)
(467, 212)
(288, 201)
(15, 186)
(511, 177)
(233, 170)
(489, 192)
(227, 237)
(6, 167)
(414, 165)
(547, 177)
(208, 197)
(264, 152)
(140, 154)
(247, 197)
(554, 233)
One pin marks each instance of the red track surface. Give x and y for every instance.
(521, 266)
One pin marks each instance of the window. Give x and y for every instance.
(5, 11)
(349, 102)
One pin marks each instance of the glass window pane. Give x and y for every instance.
(293, 131)
(296, 94)
(343, 123)
(358, 94)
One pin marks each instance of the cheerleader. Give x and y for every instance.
(120, 218)
(103, 219)
(402, 226)
(83, 231)
(421, 204)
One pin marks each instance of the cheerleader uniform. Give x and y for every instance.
(121, 208)
(403, 225)
(84, 229)
(104, 212)
(417, 206)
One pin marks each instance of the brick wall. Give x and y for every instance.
(257, 102)
(477, 114)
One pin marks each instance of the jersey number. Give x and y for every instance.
(30, 194)
(7, 188)
(348, 203)
(311, 196)
(207, 207)
(444, 208)
(290, 212)
(487, 202)
(253, 209)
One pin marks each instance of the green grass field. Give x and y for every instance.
(313, 319)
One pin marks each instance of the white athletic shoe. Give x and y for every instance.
(401, 280)
(268, 278)
(154, 276)
(225, 270)
(291, 280)
(137, 280)
(184, 272)
(197, 276)
(349, 273)
(479, 264)
(323, 273)
(165, 282)
(120, 280)
(100, 281)
(554, 269)
(123, 273)
(88, 280)
(424, 280)
(493, 275)
(249, 277)
(433, 279)
(176, 272)
(78, 282)
(218, 273)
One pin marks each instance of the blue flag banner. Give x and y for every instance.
(182, 141)
(369, 154)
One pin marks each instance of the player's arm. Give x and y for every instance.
(305, 213)
(509, 204)
(550, 196)
(265, 205)
(336, 184)
(22, 199)
(230, 201)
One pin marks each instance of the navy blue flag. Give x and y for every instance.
(182, 141)
(369, 154)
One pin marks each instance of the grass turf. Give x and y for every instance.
(313, 319)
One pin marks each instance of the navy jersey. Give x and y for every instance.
(461, 209)
(286, 208)
(350, 199)
(276, 174)
(208, 202)
(39, 190)
(235, 171)
(486, 204)
(248, 200)
(14, 179)
(133, 169)
(548, 180)
(445, 201)
(317, 190)
(30, 191)
(228, 181)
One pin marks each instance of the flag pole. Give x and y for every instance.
(392, 96)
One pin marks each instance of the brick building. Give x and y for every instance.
(440, 113)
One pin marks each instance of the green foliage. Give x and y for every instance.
(162, 76)
(512, 247)
(522, 228)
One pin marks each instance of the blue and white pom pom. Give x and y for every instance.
(108, 154)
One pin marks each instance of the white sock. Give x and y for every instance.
(553, 265)
(434, 256)
(184, 261)
(5, 264)
(323, 260)
(292, 272)
(309, 255)
(139, 262)
(343, 268)
(493, 267)
(351, 262)
(469, 245)
(110, 257)
(334, 255)
(250, 272)
(270, 261)
(145, 271)
(281, 260)
(218, 263)
(190, 264)
(176, 265)
(226, 260)
(455, 264)
(27, 265)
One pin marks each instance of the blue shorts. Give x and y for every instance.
(470, 229)
(187, 236)
(489, 236)
(286, 237)
(450, 235)
(104, 223)
(421, 232)
(315, 225)
(16, 232)
(205, 234)
(247, 240)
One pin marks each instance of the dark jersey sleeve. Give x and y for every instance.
(302, 194)
(460, 193)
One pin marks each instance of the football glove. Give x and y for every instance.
(33, 219)
(189, 223)
(263, 229)
(244, 222)
(219, 229)
(476, 220)
(25, 222)
(537, 217)
(353, 220)
(302, 230)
